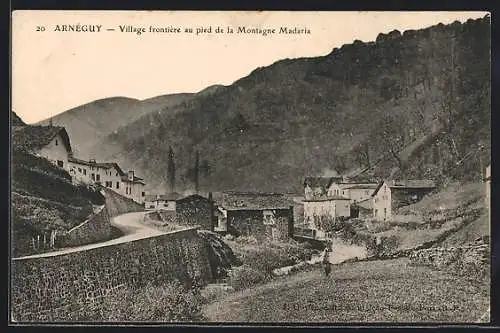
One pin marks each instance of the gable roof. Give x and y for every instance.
(104, 165)
(406, 184)
(136, 180)
(191, 196)
(323, 182)
(367, 186)
(34, 138)
(327, 198)
(167, 197)
(254, 201)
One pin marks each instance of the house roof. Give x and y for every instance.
(323, 182)
(191, 196)
(136, 180)
(104, 165)
(406, 184)
(167, 197)
(367, 186)
(326, 198)
(254, 201)
(33, 138)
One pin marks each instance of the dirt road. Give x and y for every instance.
(131, 226)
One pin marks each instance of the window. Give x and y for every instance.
(57, 143)
(93, 176)
(117, 185)
(60, 163)
(80, 170)
(143, 194)
(151, 206)
(268, 218)
(117, 174)
(84, 171)
(98, 177)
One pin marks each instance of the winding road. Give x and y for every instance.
(129, 224)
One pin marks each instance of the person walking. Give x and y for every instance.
(327, 265)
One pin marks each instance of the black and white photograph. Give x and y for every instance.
(250, 167)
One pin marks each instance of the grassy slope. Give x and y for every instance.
(451, 204)
(378, 291)
(44, 199)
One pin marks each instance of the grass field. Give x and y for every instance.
(376, 291)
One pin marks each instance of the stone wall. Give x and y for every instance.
(251, 223)
(467, 259)
(96, 229)
(118, 204)
(195, 210)
(51, 288)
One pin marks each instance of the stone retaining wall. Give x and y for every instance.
(117, 204)
(52, 288)
(462, 259)
(96, 229)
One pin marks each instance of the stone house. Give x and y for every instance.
(390, 195)
(260, 215)
(50, 142)
(161, 201)
(195, 210)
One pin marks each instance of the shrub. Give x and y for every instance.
(243, 277)
(269, 256)
(167, 303)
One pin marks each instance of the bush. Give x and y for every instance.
(244, 277)
(269, 256)
(167, 303)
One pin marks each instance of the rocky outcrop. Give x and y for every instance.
(220, 255)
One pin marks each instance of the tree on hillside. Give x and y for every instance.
(197, 172)
(391, 132)
(171, 169)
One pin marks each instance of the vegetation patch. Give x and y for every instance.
(167, 303)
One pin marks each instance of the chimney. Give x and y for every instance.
(131, 175)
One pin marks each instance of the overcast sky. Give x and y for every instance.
(55, 71)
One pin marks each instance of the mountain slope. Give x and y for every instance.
(88, 123)
(415, 104)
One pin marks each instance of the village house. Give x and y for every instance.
(109, 175)
(134, 187)
(50, 142)
(322, 210)
(321, 186)
(161, 201)
(391, 195)
(195, 210)
(260, 215)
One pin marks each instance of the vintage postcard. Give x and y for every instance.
(250, 167)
